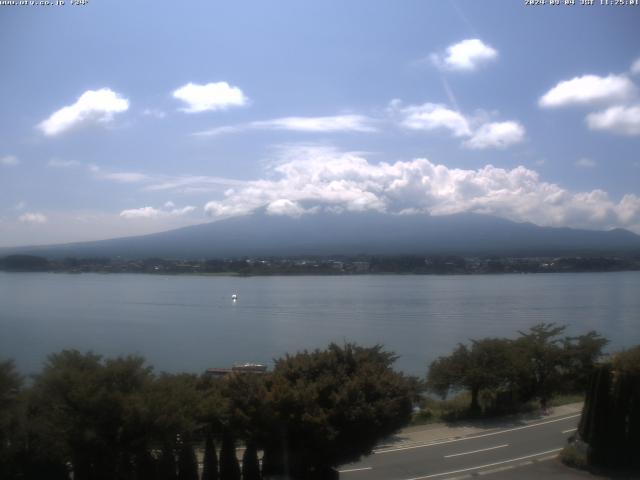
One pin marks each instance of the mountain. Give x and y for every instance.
(351, 234)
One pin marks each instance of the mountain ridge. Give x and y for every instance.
(325, 234)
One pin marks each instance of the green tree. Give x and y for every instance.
(486, 364)
(92, 409)
(540, 358)
(210, 461)
(10, 397)
(250, 464)
(229, 467)
(610, 421)
(580, 356)
(187, 462)
(167, 468)
(333, 406)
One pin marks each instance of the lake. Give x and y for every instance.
(189, 323)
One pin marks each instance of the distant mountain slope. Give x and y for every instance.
(353, 233)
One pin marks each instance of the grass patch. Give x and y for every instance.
(565, 399)
(574, 458)
(457, 408)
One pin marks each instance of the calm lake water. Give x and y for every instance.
(189, 323)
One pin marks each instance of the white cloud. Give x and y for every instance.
(169, 204)
(210, 97)
(635, 67)
(480, 134)
(466, 55)
(588, 90)
(620, 119)
(32, 217)
(431, 116)
(496, 135)
(98, 106)
(9, 161)
(125, 177)
(153, 213)
(322, 178)
(187, 184)
(58, 163)
(284, 206)
(585, 163)
(154, 112)
(120, 177)
(336, 123)
(328, 124)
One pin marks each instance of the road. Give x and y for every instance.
(481, 453)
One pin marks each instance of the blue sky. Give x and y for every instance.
(122, 118)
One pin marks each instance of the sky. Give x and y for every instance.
(123, 118)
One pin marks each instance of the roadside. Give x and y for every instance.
(440, 432)
(544, 464)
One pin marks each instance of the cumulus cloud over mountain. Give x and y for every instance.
(312, 178)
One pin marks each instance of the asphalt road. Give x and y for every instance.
(483, 453)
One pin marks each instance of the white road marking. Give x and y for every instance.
(476, 451)
(355, 469)
(569, 430)
(485, 466)
(389, 450)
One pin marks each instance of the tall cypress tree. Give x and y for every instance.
(229, 468)
(597, 436)
(634, 423)
(187, 462)
(210, 467)
(167, 464)
(250, 464)
(145, 466)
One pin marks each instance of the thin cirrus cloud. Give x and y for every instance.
(33, 218)
(585, 162)
(433, 116)
(9, 161)
(465, 56)
(315, 179)
(60, 163)
(93, 106)
(210, 97)
(169, 210)
(326, 124)
(588, 90)
(635, 67)
(120, 177)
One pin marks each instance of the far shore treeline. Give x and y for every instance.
(334, 265)
(115, 418)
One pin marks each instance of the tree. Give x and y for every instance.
(580, 356)
(250, 464)
(167, 469)
(486, 364)
(10, 392)
(540, 358)
(187, 462)
(610, 421)
(229, 468)
(210, 461)
(92, 409)
(331, 407)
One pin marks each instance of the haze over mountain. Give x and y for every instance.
(326, 234)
